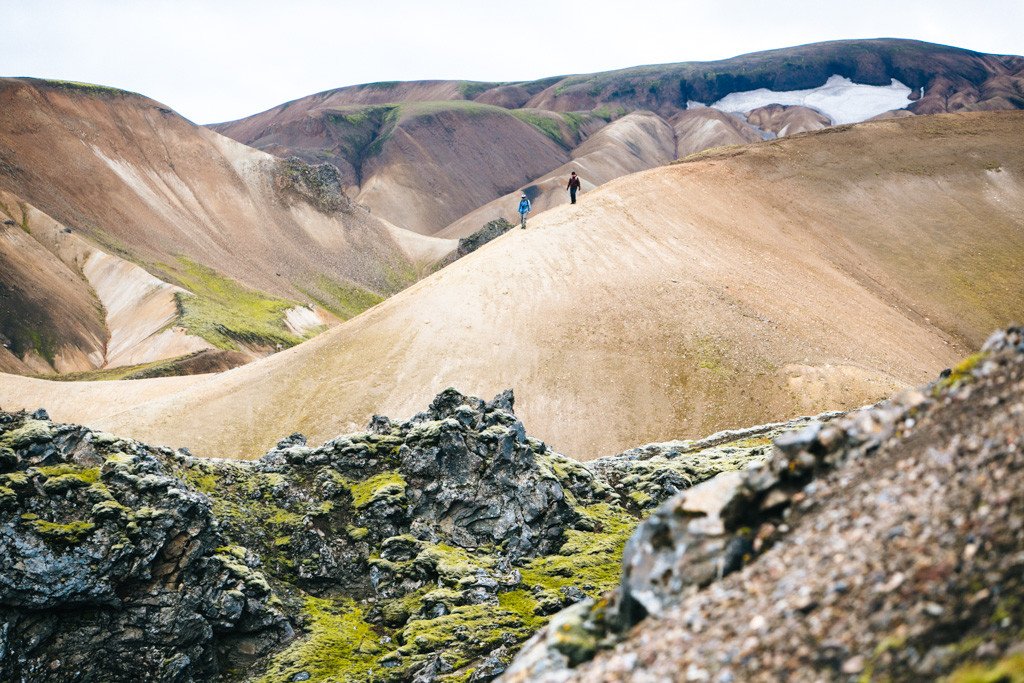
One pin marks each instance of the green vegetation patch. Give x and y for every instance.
(32, 431)
(962, 371)
(340, 646)
(1007, 670)
(473, 89)
(344, 300)
(425, 109)
(608, 113)
(589, 560)
(20, 216)
(70, 533)
(156, 368)
(225, 313)
(389, 486)
(549, 124)
(61, 478)
(89, 88)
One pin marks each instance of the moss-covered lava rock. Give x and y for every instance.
(429, 549)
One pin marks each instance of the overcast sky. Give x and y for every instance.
(220, 60)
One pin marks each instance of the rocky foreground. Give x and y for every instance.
(887, 545)
(425, 550)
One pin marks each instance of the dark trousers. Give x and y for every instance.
(572, 194)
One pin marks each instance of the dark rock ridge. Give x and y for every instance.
(491, 230)
(886, 544)
(319, 184)
(428, 549)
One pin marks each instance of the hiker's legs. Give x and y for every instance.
(522, 222)
(572, 195)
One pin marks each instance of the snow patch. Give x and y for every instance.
(840, 99)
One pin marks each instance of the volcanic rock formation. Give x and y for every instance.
(418, 549)
(887, 543)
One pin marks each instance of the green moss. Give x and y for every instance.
(89, 88)
(224, 313)
(385, 486)
(524, 604)
(547, 123)
(473, 89)
(752, 442)
(1007, 670)
(157, 368)
(357, 533)
(282, 517)
(590, 560)
(962, 371)
(453, 564)
(235, 551)
(14, 479)
(465, 633)
(608, 113)
(108, 508)
(640, 498)
(7, 496)
(87, 475)
(32, 431)
(205, 482)
(344, 300)
(339, 646)
(119, 459)
(69, 533)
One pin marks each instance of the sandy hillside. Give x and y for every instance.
(821, 271)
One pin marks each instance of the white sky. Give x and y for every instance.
(219, 60)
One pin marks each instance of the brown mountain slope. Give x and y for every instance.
(47, 318)
(252, 234)
(424, 164)
(820, 271)
(704, 128)
(636, 142)
(420, 165)
(132, 174)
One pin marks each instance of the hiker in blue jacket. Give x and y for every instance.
(524, 208)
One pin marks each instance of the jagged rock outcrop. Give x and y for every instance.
(426, 550)
(491, 230)
(887, 543)
(110, 569)
(320, 184)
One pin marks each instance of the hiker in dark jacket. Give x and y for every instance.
(573, 186)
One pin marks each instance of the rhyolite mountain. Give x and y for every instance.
(425, 154)
(746, 285)
(132, 240)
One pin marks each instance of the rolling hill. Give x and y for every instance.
(426, 155)
(819, 271)
(130, 235)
